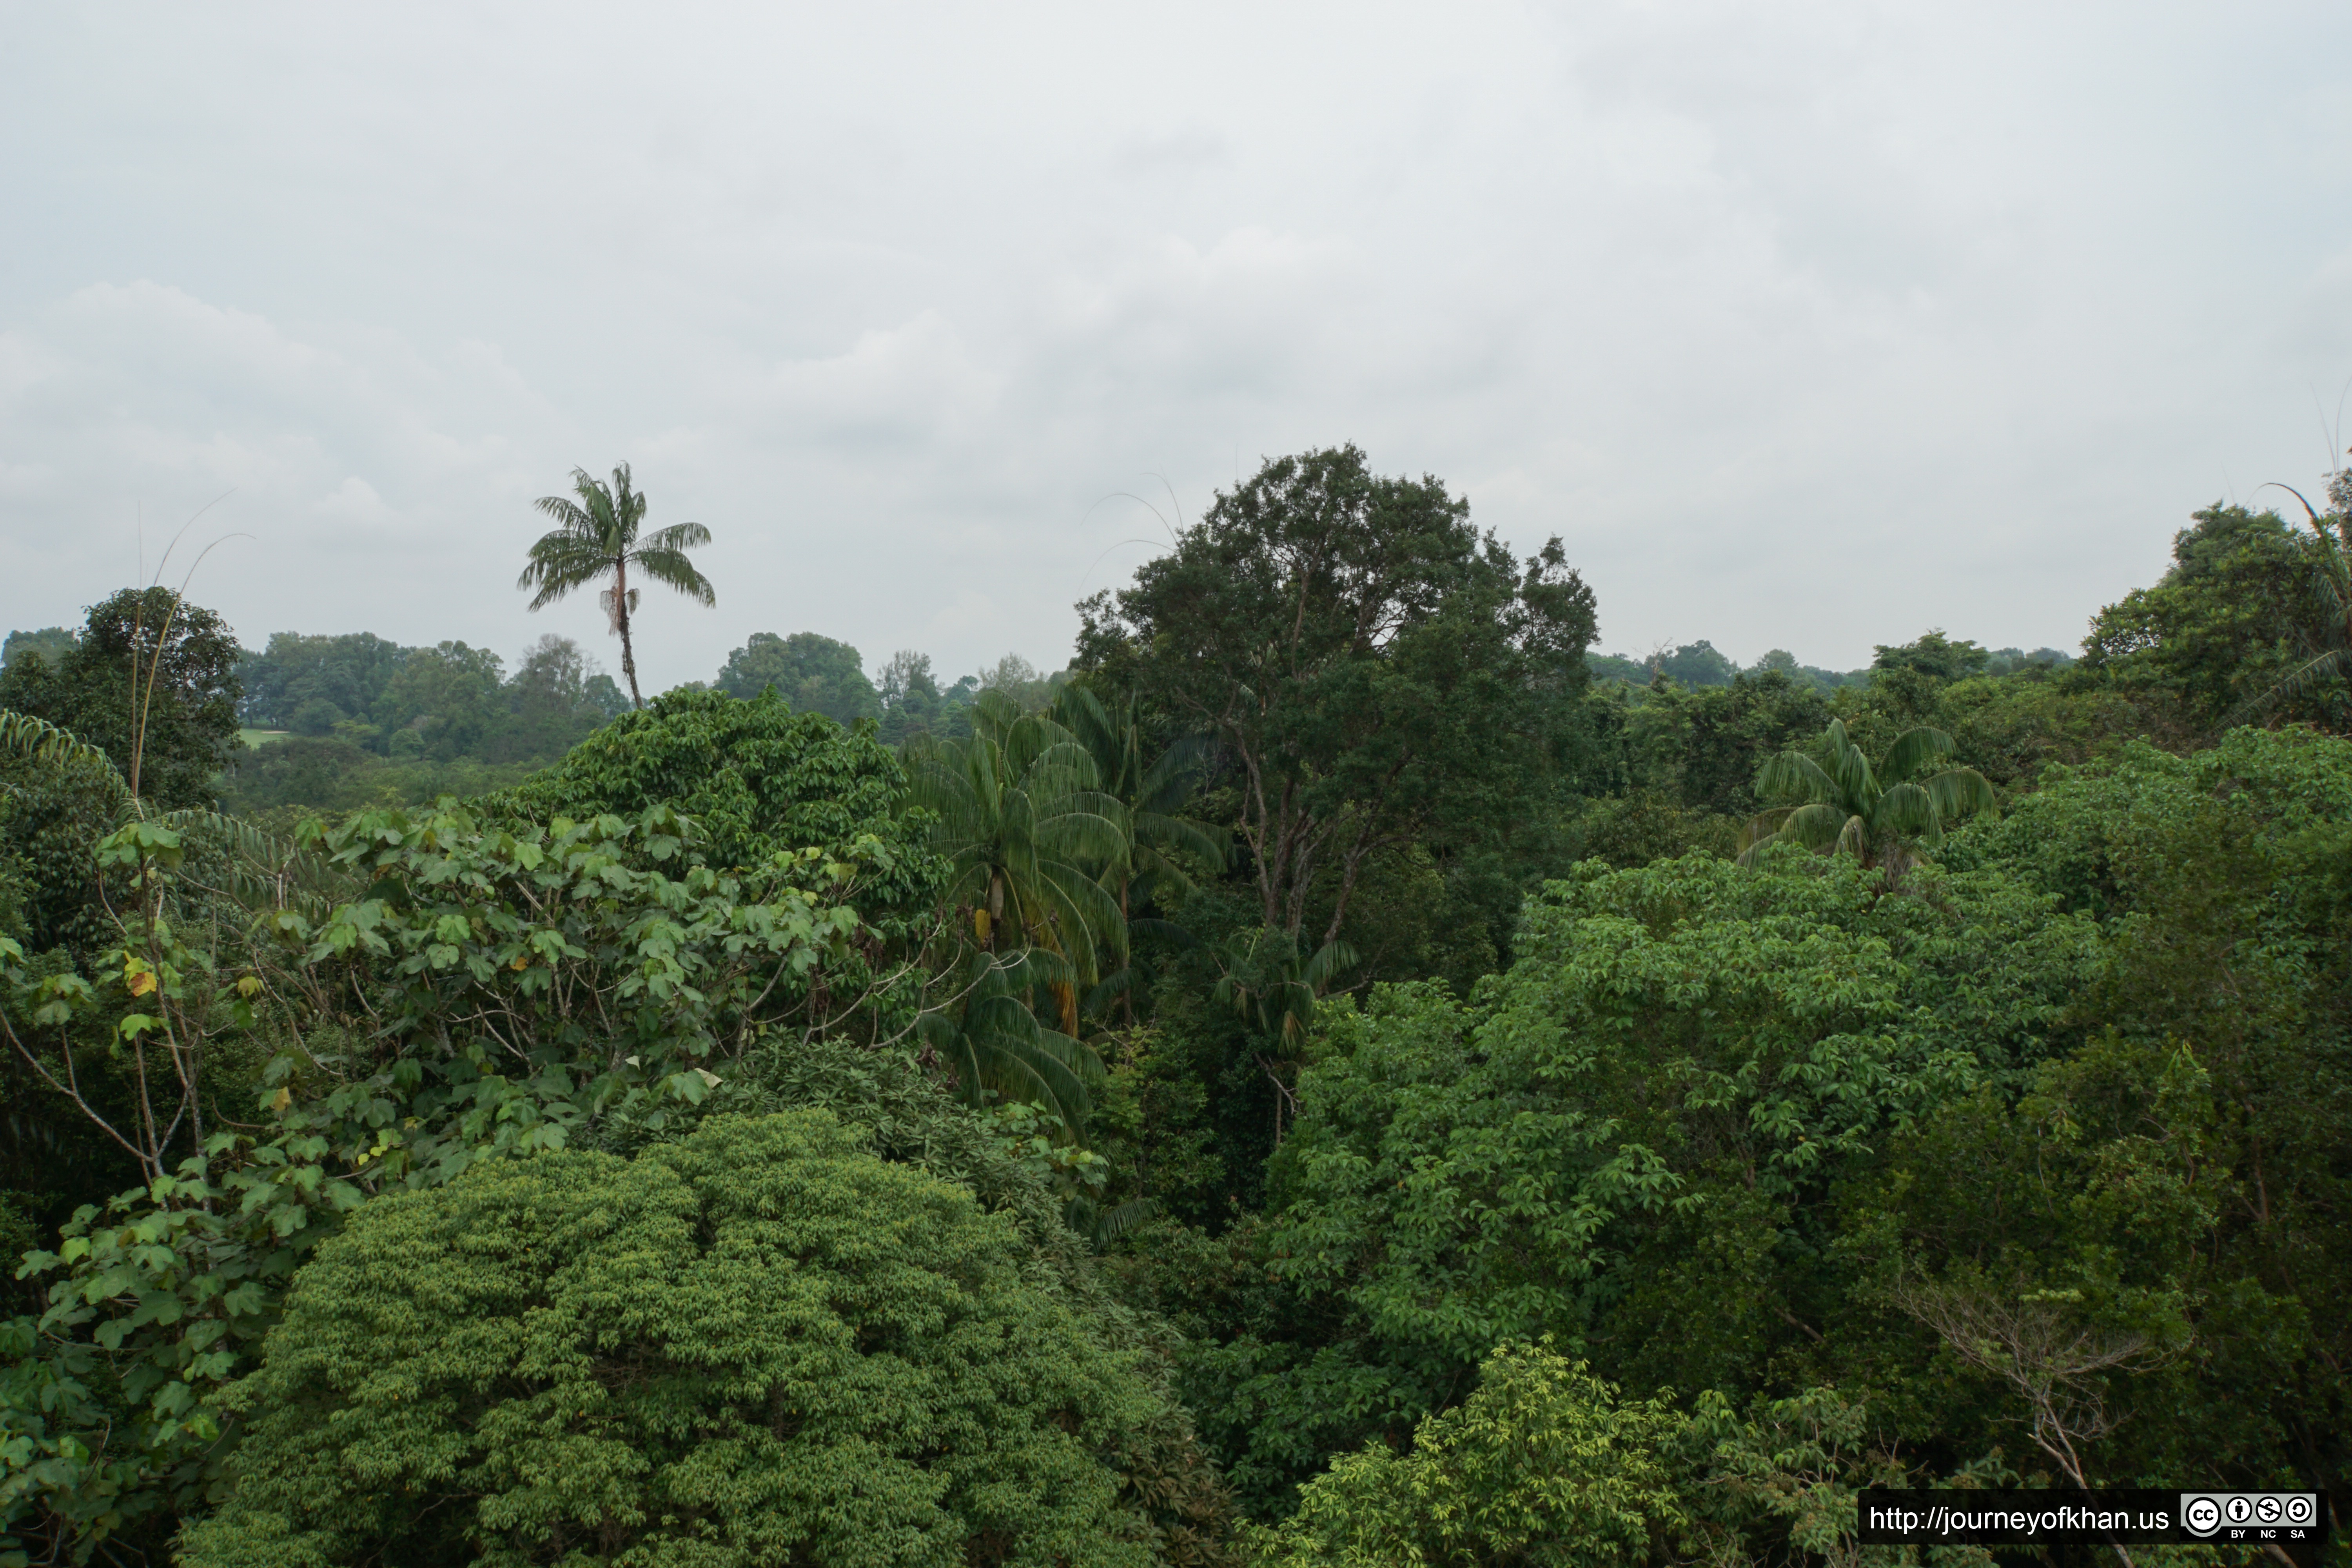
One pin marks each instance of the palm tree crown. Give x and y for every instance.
(596, 538)
(1024, 825)
(1024, 822)
(1149, 790)
(1879, 815)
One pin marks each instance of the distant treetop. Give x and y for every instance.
(51, 643)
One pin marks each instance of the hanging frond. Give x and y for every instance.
(997, 1046)
(1960, 792)
(1794, 776)
(2334, 665)
(1333, 959)
(38, 739)
(1856, 784)
(1914, 750)
(1103, 1225)
(673, 569)
(267, 872)
(1906, 811)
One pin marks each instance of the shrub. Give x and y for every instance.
(1541, 1466)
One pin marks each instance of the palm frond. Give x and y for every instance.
(999, 1045)
(1960, 792)
(2336, 664)
(265, 872)
(673, 569)
(678, 536)
(1084, 919)
(1105, 1225)
(1856, 784)
(561, 564)
(1820, 825)
(1210, 845)
(1334, 958)
(1108, 989)
(1914, 750)
(1906, 811)
(577, 522)
(40, 741)
(1174, 773)
(1792, 775)
(1162, 931)
(1854, 838)
(1760, 829)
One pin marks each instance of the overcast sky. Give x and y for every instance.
(1806, 325)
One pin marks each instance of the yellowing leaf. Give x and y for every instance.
(140, 983)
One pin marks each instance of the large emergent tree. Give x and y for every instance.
(151, 681)
(597, 538)
(2327, 637)
(814, 673)
(2242, 614)
(1374, 670)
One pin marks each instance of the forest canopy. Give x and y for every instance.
(1336, 1070)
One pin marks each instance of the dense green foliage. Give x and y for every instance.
(1546, 1464)
(151, 681)
(758, 1345)
(1684, 1051)
(1540, 1464)
(440, 702)
(755, 776)
(2234, 615)
(50, 643)
(1375, 672)
(1342, 1074)
(344, 722)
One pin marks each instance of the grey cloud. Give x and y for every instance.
(1808, 325)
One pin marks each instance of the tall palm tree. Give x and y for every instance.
(1881, 816)
(1274, 988)
(1026, 826)
(1151, 794)
(1024, 829)
(597, 539)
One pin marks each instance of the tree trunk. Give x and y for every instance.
(621, 619)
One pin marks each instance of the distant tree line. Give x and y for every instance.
(449, 701)
(1701, 663)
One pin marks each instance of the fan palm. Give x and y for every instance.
(1881, 815)
(597, 539)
